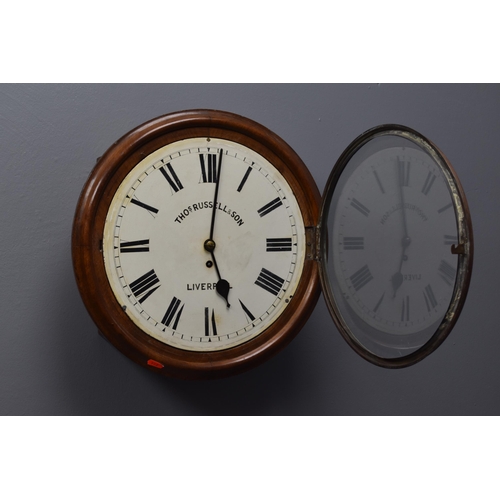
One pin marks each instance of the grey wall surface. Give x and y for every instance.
(53, 362)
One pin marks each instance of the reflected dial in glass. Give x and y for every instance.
(393, 231)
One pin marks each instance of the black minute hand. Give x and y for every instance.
(222, 287)
(216, 195)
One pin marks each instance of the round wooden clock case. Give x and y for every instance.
(185, 148)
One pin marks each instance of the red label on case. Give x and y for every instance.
(156, 364)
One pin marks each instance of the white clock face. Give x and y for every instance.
(156, 260)
(393, 224)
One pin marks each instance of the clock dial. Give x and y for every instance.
(392, 264)
(204, 244)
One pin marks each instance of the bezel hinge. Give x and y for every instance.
(312, 242)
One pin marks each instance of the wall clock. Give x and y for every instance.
(200, 241)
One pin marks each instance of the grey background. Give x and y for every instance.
(53, 362)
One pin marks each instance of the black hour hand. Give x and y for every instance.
(222, 288)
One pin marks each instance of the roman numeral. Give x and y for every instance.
(149, 208)
(278, 244)
(405, 310)
(144, 286)
(170, 314)
(134, 246)
(377, 178)
(447, 272)
(450, 239)
(172, 178)
(208, 168)
(428, 183)
(210, 324)
(247, 312)
(404, 173)
(269, 281)
(245, 177)
(360, 207)
(354, 243)
(430, 299)
(361, 277)
(272, 205)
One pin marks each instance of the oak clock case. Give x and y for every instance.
(200, 240)
(190, 244)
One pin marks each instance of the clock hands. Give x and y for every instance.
(222, 287)
(216, 194)
(397, 277)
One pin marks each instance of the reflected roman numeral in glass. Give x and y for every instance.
(354, 243)
(361, 277)
(430, 299)
(377, 178)
(278, 244)
(447, 272)
(210, 324)
(404, 172)
(405, 310)
(269, 281)
(247, 312)
(245, 177)
(272, 205)
(134, 246)
(149, 208)
(360, 207)
(450, 239)
(144, 286)
(171, 177)
(446, 207)
(428, 183)
(170, 314)
(375, 309)
(208, 167)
